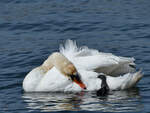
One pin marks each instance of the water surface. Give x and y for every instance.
(31, 30)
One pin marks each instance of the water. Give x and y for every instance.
(31, 30)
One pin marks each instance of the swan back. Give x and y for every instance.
(91, 59)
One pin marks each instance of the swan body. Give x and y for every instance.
(55, 73)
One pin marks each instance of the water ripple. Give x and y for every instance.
(31, 30)
(117, 101)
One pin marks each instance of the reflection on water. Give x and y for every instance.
(116, 101)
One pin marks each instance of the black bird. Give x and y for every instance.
(103, 91)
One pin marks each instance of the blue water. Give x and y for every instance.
(30, 30)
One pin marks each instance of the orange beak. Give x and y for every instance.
(77, 80)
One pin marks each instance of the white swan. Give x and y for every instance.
(76, 69)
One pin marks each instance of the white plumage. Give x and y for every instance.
(89, 63)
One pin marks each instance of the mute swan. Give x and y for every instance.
(76, 69)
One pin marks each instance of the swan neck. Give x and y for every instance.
(47, 65)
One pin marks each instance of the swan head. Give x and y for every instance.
(71, 72)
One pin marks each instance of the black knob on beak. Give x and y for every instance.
(76, 78)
